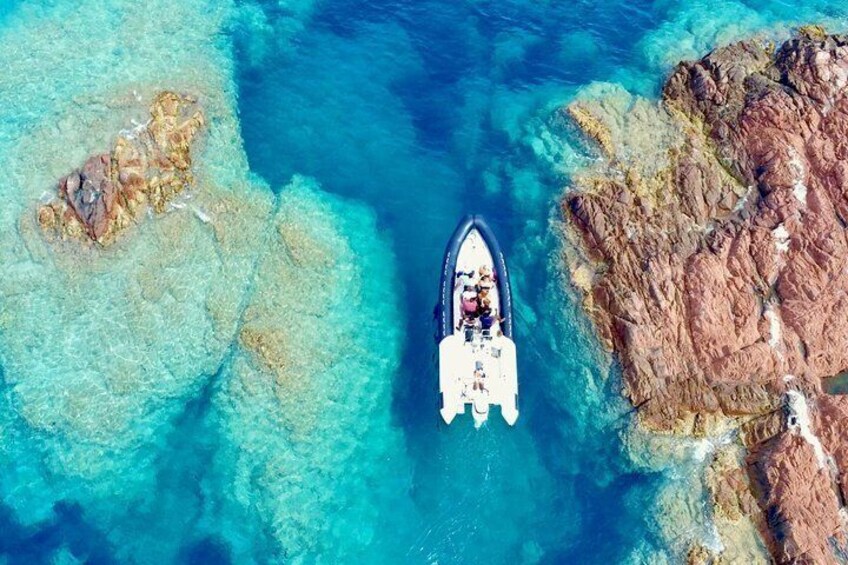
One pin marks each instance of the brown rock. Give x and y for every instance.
(47, 218)
(151, 165)
(721, 279)
(832, 416)
(801, 507)
(699, 555)
(91, 194)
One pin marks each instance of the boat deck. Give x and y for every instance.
(473, 254)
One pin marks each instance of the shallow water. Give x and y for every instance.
(407, 115)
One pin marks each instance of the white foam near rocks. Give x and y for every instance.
(799, 173)
(799, 422)
(781, 238)
(707, 446)
(201, 215)
(775, 327)
(740, 204)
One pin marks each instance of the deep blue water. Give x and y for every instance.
(395, 104)
(423, 111)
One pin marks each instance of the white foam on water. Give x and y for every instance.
(133, 132)
(202, 215)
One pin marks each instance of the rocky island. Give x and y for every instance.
(709, 244)
(148, 165)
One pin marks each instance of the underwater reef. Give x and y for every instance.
(709, 243)
(306, 429)
(152, 288)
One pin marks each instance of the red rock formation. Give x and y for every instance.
(801, 510)
(91, 194)
(722, 281)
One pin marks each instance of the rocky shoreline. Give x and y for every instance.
(709, 243)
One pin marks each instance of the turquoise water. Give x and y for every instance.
(138, 422)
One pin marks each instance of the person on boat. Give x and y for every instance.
(468, 325)
(487, 316)
(486, 281)
(467, 280)
(470, 303)
(487, 321)
(482, 294)
(469, 306)
(479, 380)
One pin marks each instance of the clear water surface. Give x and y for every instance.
(422, 111)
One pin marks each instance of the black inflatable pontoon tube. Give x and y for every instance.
(445, 306)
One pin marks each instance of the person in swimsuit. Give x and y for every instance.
(470, 303)
(486, 280)
(487, 317)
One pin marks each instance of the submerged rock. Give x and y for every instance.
(103, 346)
(714, 265)
(306, 401)
(149, 164)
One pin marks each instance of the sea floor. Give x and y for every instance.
(138, 423)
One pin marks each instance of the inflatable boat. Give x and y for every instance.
(477, 360)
